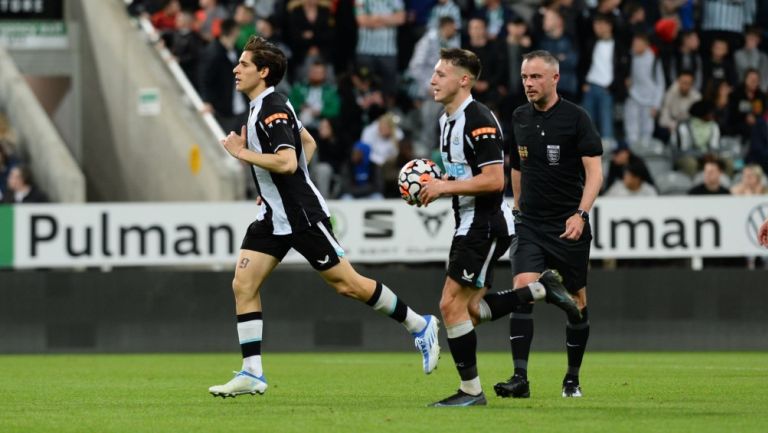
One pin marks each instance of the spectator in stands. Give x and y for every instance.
(696, 137)
(264, 8)
(245, 17)
(311, 30)
(445, 8)
(495, 14)
(420, 69)
(7, 162)
(632, 183)
(21, 188)
(361, 103)
(718, 93)
(622, 157)
(383, 136)
(164, 20)
(637, 21)
(209, 18)
(377, 40)
(713, 171)
(570, 11)
(725, 20)
(717, 66)
(678, 100)
(363, 182)
(493, 59)
(750, 57)
(518, 42)
(565, 49)
(688, 58)
(187, 45)
(665, 44)
(758, 145)
(314, 98)
(217, 88)
(752, 181)
(604, 69)
(746, 104)
(646, 91)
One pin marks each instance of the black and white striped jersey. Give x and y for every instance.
(470, 139)
(291, 201)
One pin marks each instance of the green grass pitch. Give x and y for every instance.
(365, 392)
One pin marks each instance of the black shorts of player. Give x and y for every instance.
(317, 243)
(540, 247)
(473, 257)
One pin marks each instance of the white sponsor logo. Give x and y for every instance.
(467, 276)
(324, 261)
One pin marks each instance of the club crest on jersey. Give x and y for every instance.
(553, 153)
(523, 151)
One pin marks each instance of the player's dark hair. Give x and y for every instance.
(265, 54)
(464, 59)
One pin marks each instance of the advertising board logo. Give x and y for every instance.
(378, 224)
(755, 218)
(432, 222)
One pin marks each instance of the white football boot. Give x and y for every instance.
(243, 383)
(426, 342)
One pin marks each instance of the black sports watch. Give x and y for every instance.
(583, 214)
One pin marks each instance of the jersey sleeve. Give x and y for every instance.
(588, 140)
(487, 140)
(514, 152)
(279, 124)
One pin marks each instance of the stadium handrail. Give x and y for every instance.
(55, 170)
(186, 85)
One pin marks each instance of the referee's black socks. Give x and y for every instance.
(576, 336)
(520, 337)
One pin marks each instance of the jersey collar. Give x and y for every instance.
(256, 102)
(547, 114)
(461, 108)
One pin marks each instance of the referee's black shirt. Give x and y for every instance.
(547, 147)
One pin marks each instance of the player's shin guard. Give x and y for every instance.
(386, 302)
(521, 336)
(249, 330)
(576, 336)
(462, 341)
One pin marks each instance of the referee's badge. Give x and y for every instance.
(523, 151)
(553, 153)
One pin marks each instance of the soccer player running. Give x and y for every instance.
(471, 148)
(292, 215)
(556, 176)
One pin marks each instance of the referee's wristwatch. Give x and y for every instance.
(583, 214)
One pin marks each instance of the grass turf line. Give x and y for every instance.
(365, 392)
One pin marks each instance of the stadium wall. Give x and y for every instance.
(173, 311)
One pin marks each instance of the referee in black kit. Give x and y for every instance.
(556, 176)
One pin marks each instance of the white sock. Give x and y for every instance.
(537, 290)
(252, 364)
(471, 386)
(414, 322)
(485, 311)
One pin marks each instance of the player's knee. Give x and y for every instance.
(244, 290)
(449, 307)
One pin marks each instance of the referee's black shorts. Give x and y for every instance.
(317, 243)
(540, 247)
(473, 257)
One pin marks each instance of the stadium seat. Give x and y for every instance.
(673, 183)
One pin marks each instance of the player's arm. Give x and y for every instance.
(490, 180)
(281, 162)
(593, 170)
(308, 144)
(762, 235)
(517, 190)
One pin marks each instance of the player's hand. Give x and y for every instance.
(573, 228)
(431, 190)
(234, 143)
(762, 234)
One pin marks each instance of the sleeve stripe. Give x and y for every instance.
(280, 146)
(498, 161)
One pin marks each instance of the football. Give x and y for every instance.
(412, 175)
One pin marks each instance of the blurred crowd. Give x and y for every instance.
(676, 88)
(16, 183)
